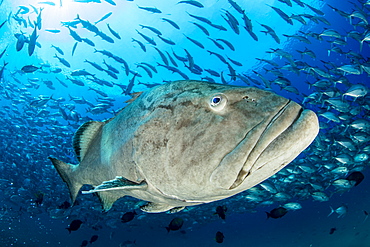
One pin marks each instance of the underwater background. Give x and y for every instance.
(66, 62)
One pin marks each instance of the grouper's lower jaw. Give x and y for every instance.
(288, 134)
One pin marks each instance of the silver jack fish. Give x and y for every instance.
(186, 143)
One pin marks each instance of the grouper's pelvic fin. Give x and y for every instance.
(66, 173)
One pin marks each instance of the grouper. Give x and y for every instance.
(186, 143)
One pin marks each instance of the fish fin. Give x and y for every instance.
(65, 171)
(268, 215)
(108, 198)
(119, 183)
(154, 207)
(176, 209)
(83, 137)
(332, 211)
(106, 190)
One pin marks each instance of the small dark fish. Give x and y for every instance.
(130, 85)
(115, 34)
(47, 3)
(58, 49)
(39, 198)
(332, 230)
(356, 177)
(32, 42)
(220, 211)
(192, 2)
(277, 213)
(65, 204)
(154, 30)
(126, 217)
(2, 24)
(149, 40)
(40, 102)
(84, 243)
(168, 41)
(89, 42)
(150, 9)
(171, 22)
(111, 2)
(74, 48)
(63, 61)
(53, 30)
(219, 237)
(103, 18)
(175, 224)
(94, 238)
(21, 40)
(142, 46)
(2, 70)
(74, 226)
(366, 215)
(30, 68)
(195, 42)
(3, 52)
(204, 30)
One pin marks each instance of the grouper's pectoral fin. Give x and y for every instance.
(66, 173)
(119, 183)
(154, 207)
(110, 191)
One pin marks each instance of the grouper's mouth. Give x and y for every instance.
(268, 147)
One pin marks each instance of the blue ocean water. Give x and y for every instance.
(44, 104)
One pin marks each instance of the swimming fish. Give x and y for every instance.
(30, 68)
(277, 213)
(74, 226)
(84, 243)
(93, 239)
(341, 211)
(163, 147)
(219, 237)
(220, 211)
(356, 178)
(128, 216)
(175, 224)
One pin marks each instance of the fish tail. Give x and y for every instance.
(66, 173)
(268, 215)
(332, 211)
(168, 229)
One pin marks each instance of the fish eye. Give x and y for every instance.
(218, 102)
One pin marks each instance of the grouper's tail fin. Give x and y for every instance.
(66, 172)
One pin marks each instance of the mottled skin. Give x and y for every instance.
(178, 149)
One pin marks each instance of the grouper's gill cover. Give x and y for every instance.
(188, 142)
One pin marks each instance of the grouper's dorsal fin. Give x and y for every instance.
(83, 137)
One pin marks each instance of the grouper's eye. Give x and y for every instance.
(218, 102)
